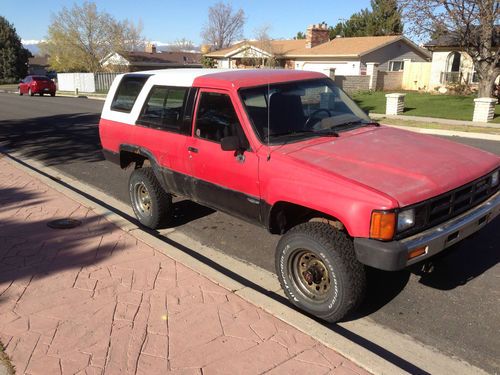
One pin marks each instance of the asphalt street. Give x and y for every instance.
(453, 308)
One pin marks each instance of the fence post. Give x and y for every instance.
(395, 104)
(484, 109)
(372, 71)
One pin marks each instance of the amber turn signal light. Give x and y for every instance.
(382, 225)
(417, 252)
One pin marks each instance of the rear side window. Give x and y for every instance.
(127, 92)
(164, 108)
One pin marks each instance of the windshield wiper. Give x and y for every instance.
(324, 133)
(359, 122)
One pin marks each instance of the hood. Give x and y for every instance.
(407, 166)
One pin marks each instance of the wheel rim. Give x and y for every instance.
(310, 275)
(142, 199)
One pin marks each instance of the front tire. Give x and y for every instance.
(318, 270)
(30, 93)
(151, 204)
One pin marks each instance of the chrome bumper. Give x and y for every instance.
(444, 235)
(395, 255)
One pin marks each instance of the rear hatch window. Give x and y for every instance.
(128, 91)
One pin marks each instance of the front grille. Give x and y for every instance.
(451, 204)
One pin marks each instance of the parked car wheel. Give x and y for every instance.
(319, 272)
(20, 93)
(151, 204)
(30, 93)
(52, 94)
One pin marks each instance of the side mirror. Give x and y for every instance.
(230, 143)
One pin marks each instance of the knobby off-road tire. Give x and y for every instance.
(319, 272)
(151, 204)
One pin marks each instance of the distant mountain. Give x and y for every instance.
(32, 45)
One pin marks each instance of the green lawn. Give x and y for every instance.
(452, 107)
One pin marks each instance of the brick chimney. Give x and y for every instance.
(150, 48)
(316, 35)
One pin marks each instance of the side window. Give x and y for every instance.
(127, 92)
(216, 117)
(164, 108)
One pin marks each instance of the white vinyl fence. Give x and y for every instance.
(85, 82)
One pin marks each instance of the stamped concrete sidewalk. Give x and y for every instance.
(94, 300)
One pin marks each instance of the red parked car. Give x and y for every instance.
(40, 85)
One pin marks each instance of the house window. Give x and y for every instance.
(396, 66)
(128, 91)
(475, 76)
(163, 109)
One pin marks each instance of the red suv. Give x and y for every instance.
(290, 151)
(40, 85)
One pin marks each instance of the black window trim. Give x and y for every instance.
(133, 75)
(183, 118)
(217, 91)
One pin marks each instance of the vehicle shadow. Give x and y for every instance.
(54, 139)
(463, 262)
(186, 211)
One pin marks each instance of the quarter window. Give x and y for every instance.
(164, 108)
(127, 92)
(216, 117)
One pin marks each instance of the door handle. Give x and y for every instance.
(193, 149)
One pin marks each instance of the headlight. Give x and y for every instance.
(494, 178)
(406, 219)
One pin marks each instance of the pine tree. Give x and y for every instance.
(13, 57)
(385, 18)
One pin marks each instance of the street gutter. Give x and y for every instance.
(376, 348)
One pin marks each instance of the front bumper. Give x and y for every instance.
(393, 255)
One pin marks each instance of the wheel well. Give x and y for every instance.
(285, 215)
(129, 157)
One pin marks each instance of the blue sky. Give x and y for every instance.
(168, 20)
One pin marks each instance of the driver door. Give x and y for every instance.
(225, 180)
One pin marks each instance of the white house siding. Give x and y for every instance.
(343, 68)
(439, 62)
(223, 63)
(116, 59)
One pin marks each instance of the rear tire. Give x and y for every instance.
(151, 204)
(318, 270)
(52, 94)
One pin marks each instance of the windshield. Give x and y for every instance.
(300, 109)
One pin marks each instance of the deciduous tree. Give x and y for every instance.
(224, 25)
(80, 37)
(471, 25)
(13, 57)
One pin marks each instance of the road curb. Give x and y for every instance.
(384, 351)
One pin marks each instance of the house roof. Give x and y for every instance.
(169, 58)
(452, 39)
(39, 60)
(278, 47)
(338, 47)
